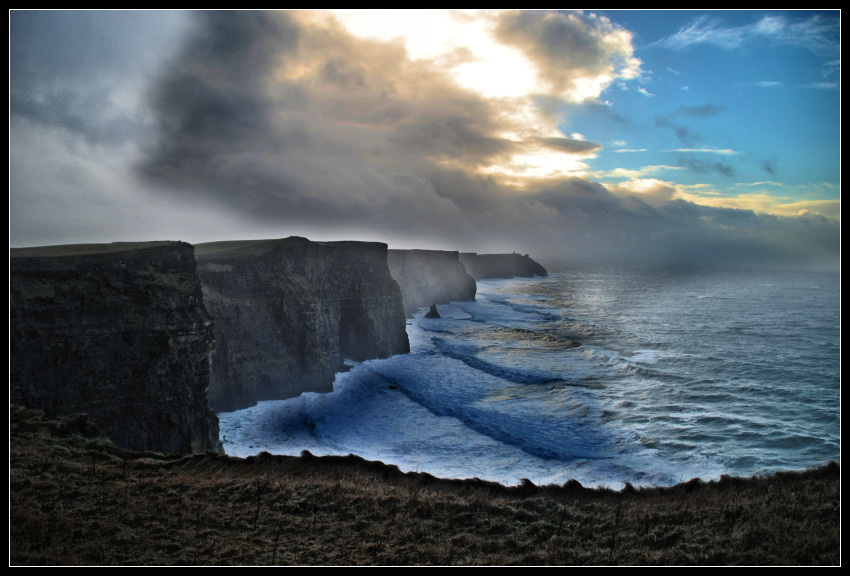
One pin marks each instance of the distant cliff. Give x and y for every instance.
(119, 332)
(482, 266)
(430, 277)
(288, 313)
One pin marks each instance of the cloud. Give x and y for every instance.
(289, 116)
(683, 133)
(720, 151)
(90, 115)
(636, 173)
(823, 85)
(769, 167)
(819, 34)
(704, 31)
(762, 84)
(261, 124)
(650, 220)
(650, 190)
(86, 91)
(703, 166)
(575, 53)
(766, 203)
(703, 111)
(571, 145)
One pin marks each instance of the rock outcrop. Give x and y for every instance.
(430, 276)
(288, 313)
(433, 312)
(119, 332)
(482, 266)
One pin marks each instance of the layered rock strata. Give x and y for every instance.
(430, 277)
(482, 266)
(119, 332)
(289, 312)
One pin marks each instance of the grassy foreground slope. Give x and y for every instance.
(76, 499)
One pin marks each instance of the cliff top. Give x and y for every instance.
(61, 250)
(242, 248)
(482, 266)
(422, 251)
(237, 247)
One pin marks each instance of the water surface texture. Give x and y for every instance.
(602, 374)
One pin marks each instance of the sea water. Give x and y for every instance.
(605, 375)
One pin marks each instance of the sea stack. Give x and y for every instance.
(432, 312)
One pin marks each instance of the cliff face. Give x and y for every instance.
(120, 332)
(430, 277)
(289, 312)
(482, 266)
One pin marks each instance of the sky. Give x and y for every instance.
(642, 135)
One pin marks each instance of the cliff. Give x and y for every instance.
(119, 332)
(428, 277)
(482, 266)
(288, 313)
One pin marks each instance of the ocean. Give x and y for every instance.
(602, 374)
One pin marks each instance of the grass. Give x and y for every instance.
(76, 499)
(66, 250)
(232, 248)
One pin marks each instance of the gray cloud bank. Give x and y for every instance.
(263, 124)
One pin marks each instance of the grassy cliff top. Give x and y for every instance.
(243, 248)
(76, 500)
(237, 247)
(61, 250)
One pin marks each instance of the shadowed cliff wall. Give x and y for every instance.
(430, 277)
(288, 312)
(482, 266)
(119, 332)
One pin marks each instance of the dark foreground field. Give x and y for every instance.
(75, 499)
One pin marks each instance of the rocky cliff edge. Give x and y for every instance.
(290, 311)
(119, 332)
(428, 277)
(482, 266)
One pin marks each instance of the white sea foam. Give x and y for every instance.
(541, 379)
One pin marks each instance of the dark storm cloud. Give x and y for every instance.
(448, 136)
(89, 115)
(212, 100)
(75, 90)
(565, 46)
(587, 221)
(555, 39)
(294, 126)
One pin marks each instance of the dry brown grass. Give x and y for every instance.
(76, 499)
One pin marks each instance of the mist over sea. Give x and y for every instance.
(603, 374)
